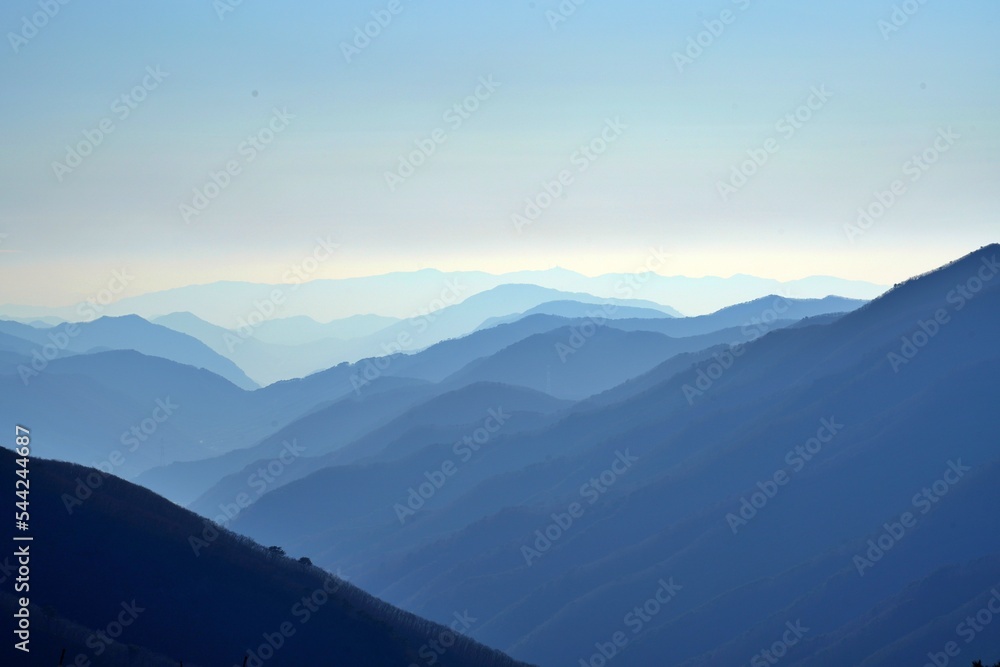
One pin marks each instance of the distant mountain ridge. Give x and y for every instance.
(272, 350)
(405, 294)
(128, 332)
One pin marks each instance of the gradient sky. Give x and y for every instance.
(324, 174)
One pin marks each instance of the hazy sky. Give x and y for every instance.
(210, 79)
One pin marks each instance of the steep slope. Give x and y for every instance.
(912, 397)
(927, 424)
(161, 578)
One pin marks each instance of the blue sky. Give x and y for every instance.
(557, 86)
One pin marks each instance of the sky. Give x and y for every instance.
(191, 141)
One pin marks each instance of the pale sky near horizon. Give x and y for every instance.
(673, 132)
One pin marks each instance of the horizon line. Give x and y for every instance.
(465, 271)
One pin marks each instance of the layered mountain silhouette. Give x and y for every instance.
(121, 333)
(405, 294)
(276, 348)
(442, 418)
(563, 362)
(901, 391)
(595, 480)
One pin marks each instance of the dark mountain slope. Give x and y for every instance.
(209, 607)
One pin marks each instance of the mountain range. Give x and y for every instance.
(854, 418)
(593, 478)
(404, 295)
